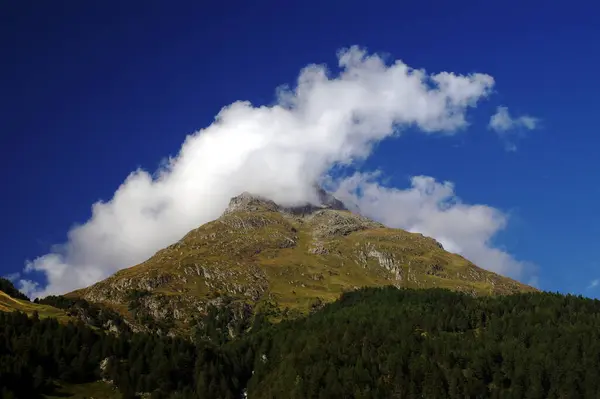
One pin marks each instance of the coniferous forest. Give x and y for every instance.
(371, 343)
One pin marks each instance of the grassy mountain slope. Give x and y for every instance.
(12, 300)
(258, 252)
(10, 304)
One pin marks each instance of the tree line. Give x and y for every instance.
(371, 343)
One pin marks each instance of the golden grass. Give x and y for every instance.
(10, 304)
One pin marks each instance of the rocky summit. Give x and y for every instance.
(259, 253)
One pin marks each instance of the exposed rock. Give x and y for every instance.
(104, 370)
(435, 270)
(248, 202)
(318, 248)
(333, 223)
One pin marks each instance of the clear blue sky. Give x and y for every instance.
(93, 90)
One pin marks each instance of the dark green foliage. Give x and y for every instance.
(8, 288)
(385, 342)
(372, 343)
(34, 353)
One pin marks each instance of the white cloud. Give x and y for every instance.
(28, 287)
(501, 121)
(594, 284)
(277, 151)
(12, 276)
(505, 125)
(433, 209)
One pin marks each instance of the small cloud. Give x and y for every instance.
(534, 281)
(28, 287)
(13, 276)
(593, 284)
(501, 121)
(503, 124)
(510, 147)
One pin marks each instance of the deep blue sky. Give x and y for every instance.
(93, 90)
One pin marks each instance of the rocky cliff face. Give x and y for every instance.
(258, 252)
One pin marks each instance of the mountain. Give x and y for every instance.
(293, 258)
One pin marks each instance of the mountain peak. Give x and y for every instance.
(329, 201)
(247, 202)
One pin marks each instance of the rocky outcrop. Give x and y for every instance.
(247, 202)
(333, 223)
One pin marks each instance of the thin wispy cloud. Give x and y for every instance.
(593, 284)
(13, 276)
(502, 121)
(509, 127)
(279, 152)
